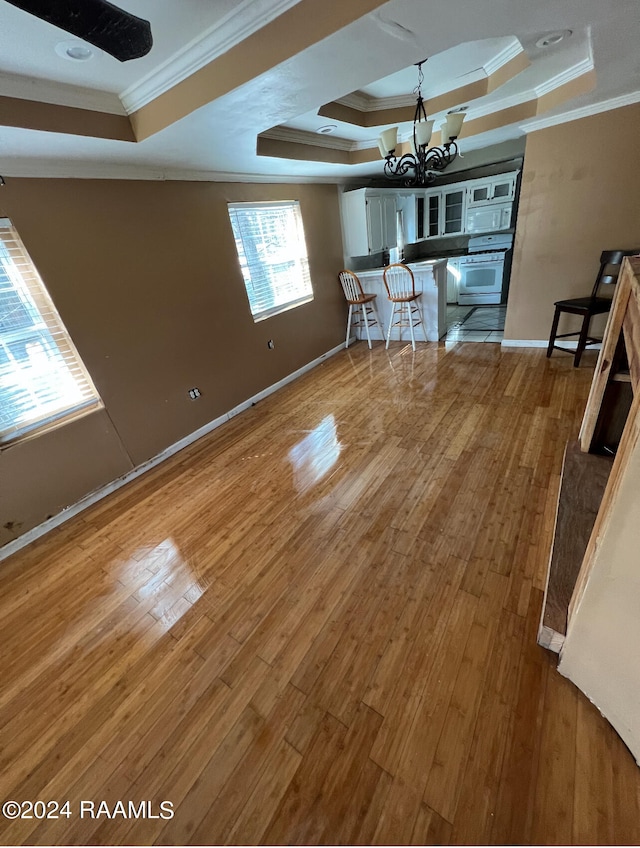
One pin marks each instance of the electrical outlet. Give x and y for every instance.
(271, 344)
(194, 393)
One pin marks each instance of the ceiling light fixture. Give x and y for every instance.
(327, 129)
(421, 167)
(76, 51)
(552, 38)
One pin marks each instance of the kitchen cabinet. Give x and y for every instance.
(492, 190)
(369, 221)
(374, 218)
(453, 204)
(428, 214)
(406, 210)
(440, 212)
(472, 206)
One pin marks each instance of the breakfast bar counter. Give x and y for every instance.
(431, 281)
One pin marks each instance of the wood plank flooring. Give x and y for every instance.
(318, 626)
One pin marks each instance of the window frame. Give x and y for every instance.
(299, 258)
(58, 355)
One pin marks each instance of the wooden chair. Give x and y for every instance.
(587, 307)
(401, 289)
(362, 306)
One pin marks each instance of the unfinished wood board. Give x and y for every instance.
(624, 309)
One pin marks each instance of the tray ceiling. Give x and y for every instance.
(239, 91)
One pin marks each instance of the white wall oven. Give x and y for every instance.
(482, 270)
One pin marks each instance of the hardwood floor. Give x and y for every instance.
(318, 624)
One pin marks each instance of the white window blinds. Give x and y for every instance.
(273, 255)
(41, 375)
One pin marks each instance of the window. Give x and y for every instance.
(41, 375)
(273, 255)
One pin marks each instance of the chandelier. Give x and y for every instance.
(421, 167)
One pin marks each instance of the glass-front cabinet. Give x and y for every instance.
(446, 211)
(440, 212)
(453, 203)
(429, 214)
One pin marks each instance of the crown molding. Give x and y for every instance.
(227, 177)
(68, 169)
(505, 55)
(359, 100)
(500, 105)
(366, 103)
(30, 169)
(559, 80)
(564, 77)
(60, 94)
(248, 17)
(290, 134)
(583, 112)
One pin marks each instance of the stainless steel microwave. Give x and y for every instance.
(487, 219)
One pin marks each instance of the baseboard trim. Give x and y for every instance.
(524, 343)
(98, 494)
(543, 343)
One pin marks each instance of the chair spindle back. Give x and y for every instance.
(351, 286)
(399, 281)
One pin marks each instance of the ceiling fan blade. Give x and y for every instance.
(121, 34)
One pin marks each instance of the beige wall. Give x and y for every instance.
(580, 195)
(146, 278)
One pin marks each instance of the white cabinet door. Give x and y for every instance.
(389, 221)
(480, 193)
(429, 214)
(453, 203)
(354, 222)
(440, 212)
(369, 222)
(492, 189)
(504, 189)
(375, 224)
(407, 207)
(382, 222)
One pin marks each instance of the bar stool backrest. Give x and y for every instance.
(351, 286)
(399, 281)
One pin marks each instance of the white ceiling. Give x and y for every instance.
(374, 56)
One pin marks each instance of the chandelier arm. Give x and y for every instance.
(439, 158)
(398, 168)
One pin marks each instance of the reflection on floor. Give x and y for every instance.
(475, 323)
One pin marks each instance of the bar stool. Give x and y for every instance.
(366, 313)
(401, 289)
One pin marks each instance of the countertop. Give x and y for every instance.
(415, 266)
